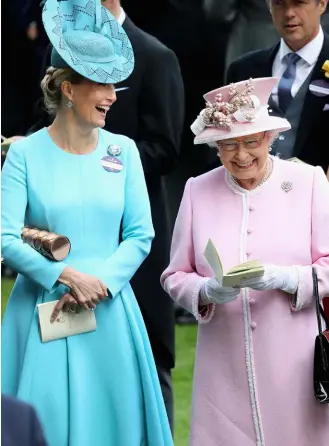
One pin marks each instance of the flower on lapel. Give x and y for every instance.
(325, 68)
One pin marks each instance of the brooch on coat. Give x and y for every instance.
(286, 186)
(111, 163)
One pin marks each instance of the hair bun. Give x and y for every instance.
(51, 86)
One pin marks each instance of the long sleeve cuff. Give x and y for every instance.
(202, 313)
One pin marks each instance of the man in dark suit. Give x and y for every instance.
(297, 60)
(200, 47)
(150, 110)
(19, 424)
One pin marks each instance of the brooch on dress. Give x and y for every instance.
(114, 150)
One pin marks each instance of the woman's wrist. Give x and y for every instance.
(203, 298)
(66, 277)
(291, 280)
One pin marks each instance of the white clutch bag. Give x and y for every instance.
(66, 323)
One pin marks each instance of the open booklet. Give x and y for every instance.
(233, 277)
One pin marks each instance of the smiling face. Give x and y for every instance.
(246, 157)
(297, 21)
(91, 101)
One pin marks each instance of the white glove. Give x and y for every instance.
(213, 293)
(283, 278)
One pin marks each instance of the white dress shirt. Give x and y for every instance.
(120, 20)
(121, 17)
(309, 55)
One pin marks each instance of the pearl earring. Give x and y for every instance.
(69, 104)
(270, 149)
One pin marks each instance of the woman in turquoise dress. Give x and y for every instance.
(75, 179)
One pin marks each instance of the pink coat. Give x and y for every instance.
(253, 377)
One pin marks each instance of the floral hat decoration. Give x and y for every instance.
(237, 110)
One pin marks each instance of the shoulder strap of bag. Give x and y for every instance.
(319, 310)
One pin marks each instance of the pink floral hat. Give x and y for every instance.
(237, 110)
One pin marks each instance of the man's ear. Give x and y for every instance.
(323, 6)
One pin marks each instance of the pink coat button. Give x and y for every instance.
(250, 230)
(253, 325)
(248, 254)
(251, 208)
(252, 301)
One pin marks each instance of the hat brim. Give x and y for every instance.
(110, 72)
(270, 123)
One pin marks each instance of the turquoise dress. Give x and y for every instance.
(99, 388)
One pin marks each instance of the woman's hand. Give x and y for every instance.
(66, 303)
(283, 278)
(213, 293)
(88, 291)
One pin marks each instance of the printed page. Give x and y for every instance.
(214, 261)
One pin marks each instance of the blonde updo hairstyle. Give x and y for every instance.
(51, 86)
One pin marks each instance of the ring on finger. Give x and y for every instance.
(73, 310)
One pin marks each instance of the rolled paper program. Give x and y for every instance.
(51, 245)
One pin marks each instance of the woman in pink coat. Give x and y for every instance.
(253, 377)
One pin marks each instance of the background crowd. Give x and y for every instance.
(197, 42)
(205, 35)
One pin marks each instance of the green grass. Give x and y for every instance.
(182, 375)
(6, 286)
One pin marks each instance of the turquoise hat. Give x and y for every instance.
(87, 38)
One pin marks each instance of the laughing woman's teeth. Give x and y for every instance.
(102, 109)
(244, 165)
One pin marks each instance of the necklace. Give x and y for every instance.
(268, 171)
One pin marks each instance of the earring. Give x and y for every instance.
(69, 104)
(270, 149)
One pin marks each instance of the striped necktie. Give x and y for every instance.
(286, 81)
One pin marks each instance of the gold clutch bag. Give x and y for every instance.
(66, 323)
(54, 246)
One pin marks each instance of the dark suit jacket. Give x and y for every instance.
(19, 424)
(151, 112)
(310, 145)
(245, 15)
(18, 51)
